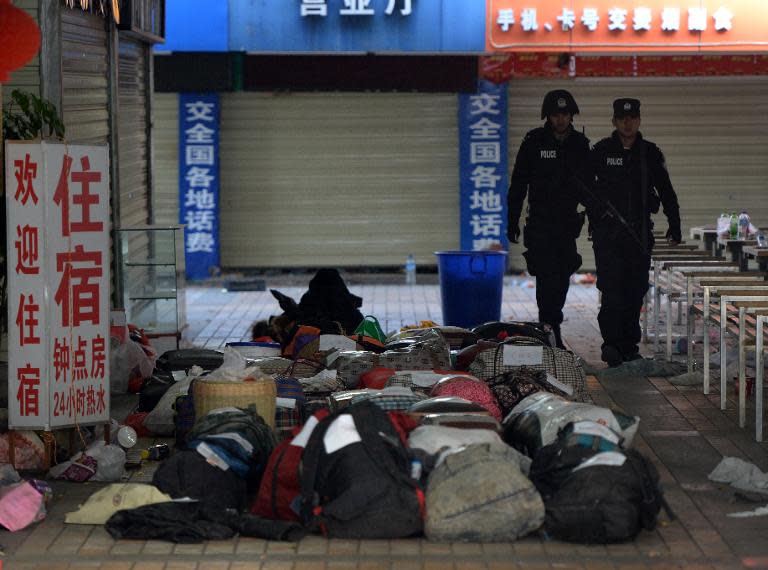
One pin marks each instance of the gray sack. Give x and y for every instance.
(480, 495)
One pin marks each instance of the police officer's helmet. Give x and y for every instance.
(558, 101)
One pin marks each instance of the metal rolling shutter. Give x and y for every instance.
(346, 179)
(85, 69)
(133, 127)
(165, 140)
(85, 88)
(713, 131)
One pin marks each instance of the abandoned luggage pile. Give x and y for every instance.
(459, 435)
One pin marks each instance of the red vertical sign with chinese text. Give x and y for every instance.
(73, 249)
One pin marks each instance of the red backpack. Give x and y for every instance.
(280, 484)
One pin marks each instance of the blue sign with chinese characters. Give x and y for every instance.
(199, 181)
(357, 26)
(483, 167)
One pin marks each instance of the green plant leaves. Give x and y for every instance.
(26, 117)
(34, 118)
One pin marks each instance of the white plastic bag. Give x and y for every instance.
(110, 461)
(123, 360)
(535, 421)
(234, 368)
(740, 474)
(160, 420)
(723, 225)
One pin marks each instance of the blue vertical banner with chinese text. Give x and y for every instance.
(483, 167)
(199, 181)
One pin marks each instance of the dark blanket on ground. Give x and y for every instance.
(195, 522)
(176, 522)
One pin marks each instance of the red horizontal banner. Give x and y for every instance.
(501, 68)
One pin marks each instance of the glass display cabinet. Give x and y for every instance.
(152, 269)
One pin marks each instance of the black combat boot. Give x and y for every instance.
(611, 355)
(558, 338)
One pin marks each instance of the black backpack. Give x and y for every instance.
(596, 504)
(540, 331)
(186, 358)
(153, 389)
(363, 489)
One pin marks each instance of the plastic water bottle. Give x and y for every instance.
(410, 270)
(761, 240)
(743, 225)
(734, 228)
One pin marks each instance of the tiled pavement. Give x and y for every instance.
(682, 431)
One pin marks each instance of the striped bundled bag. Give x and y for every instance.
(289, 411)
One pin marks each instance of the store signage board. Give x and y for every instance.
(626, 26)
(483, 167)
(57, 204)
(199, 181)
(196, 26)
(356, 26)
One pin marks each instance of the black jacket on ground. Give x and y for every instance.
(545, 169)
(618, 175)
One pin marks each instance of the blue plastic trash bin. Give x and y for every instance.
(471, 283)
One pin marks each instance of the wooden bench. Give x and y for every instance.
(722, 312)
(762, 318)
(696, 283)
(662, 284)
(747, 328)
(759, 254)
(735, 315)
(706, 234)
(735, 246)
(654, 281)
(658, 256)
(669, 248)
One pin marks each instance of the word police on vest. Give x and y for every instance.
(548, 154)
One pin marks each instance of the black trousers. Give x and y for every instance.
(622, 278)
(551, 291)
(551, 257)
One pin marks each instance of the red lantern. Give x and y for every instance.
(19, 38)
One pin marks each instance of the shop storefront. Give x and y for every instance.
(339, 136)
(94, 65)
(701, 75)
(331, 157)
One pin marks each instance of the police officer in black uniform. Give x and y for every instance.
(631, 181)
(550, 160)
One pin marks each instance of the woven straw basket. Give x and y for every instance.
(212, 394)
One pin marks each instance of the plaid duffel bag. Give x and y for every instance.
(564, 365)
